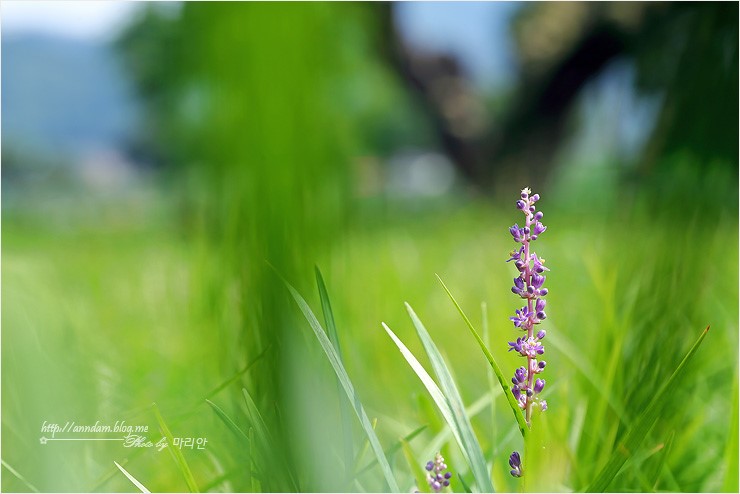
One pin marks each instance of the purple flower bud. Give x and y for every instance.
(515, 461)
(535, 198)
(524, 194)
(539, 385)
(429, 466)
(538, 216)
(446, 483)
(543, 405)
(543, 292)
(531, 209)
(537, 280)
(520, 374)
(436, 486)
(519, 265)
(541, 364)
(539, 228)
(529, 392)
(541, 334)
(521, 205)
(448, 476)
(541, 315)
(540, 305)
(534, 237)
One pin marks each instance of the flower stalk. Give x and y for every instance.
(528, 285)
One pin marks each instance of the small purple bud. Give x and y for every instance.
(543, 405)
(520, 204)
(539, 385)
(448, 476)
(537, 280)
(446, 483)
(531, 209)
(439, 477)
(526, 230)
(534, 237)
(541, 315)
(535, 198)
(529, 392)
(539, 228)
(524, 194)
(540, 306)
(515, 461)
(516, 392)
(538, 216)
(519, 265)
(541, 334)
(429, 466)
(543, 292)
(541, 364)
(436, 485)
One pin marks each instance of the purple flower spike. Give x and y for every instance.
(528, 285)
(437, 478)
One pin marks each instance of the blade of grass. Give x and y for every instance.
(266, 441)
(179, 458)
(637, 433)
(471, 447)
(434, 391)
(133, 480)
(349, 389)
(227, 420)
(361, 453)
(416, 467)
(663, 457)
(344, 411)
(496, 369)
(19, 476)
(395, 447)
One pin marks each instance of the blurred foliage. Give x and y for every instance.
(258, 114)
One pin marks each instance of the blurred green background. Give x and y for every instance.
(153, 174)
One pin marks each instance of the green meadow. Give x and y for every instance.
(241, 308)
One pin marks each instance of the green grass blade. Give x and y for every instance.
(416, 467)
(434, 391)
(637, 433)
(395, 447)
(227, 420)
(471, 447)
(133, 480)
(19, 476)
(176, 452)
(521, 422)
(344, 379)
(270, 458)
(344, 407)
(255, 417)
(663, 457)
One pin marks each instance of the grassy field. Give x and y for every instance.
(112, 307)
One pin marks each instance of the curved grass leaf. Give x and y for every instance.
(390, 451)
(268, 460)
(227, 420)
(346, 383)
(179, 458)
(19, 476)
(416, 467)
(133, 480)
(496, 369)
(640, 428)
(470, 445)
(344, 407)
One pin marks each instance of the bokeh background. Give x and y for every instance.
(157, 158)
